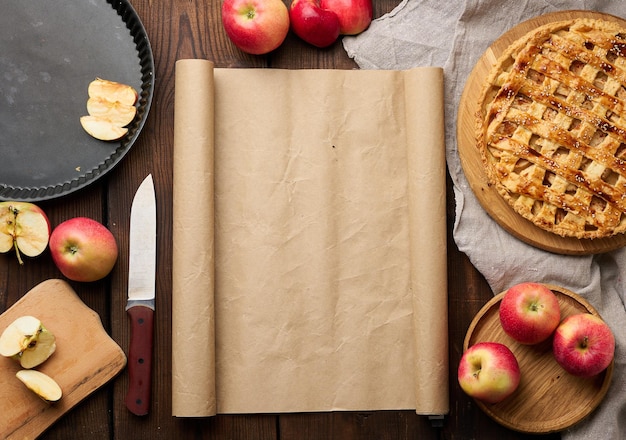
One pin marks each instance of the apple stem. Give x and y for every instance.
(15, 212)
(19, 255)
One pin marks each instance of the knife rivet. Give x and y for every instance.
(140, 320)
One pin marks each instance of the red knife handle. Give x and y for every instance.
(140, 360)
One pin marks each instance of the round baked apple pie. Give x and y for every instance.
(551, 127)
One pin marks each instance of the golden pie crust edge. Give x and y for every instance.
(498, 77)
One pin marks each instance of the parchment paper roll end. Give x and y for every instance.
(427, 168)
(193, 317)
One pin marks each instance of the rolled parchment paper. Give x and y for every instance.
(193, 317)
(426, 169)
(324, 286)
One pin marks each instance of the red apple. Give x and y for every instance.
(354, 15)
(83, 249)
(23, 227)
(529, 313)
(312, 23)
(489, 371)
(255, 26)
(583, 345)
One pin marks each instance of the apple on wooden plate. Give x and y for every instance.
(489, 371)
(529, 312)
(583, 345)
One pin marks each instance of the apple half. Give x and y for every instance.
(41, 384)
(23, 227)
(27, 341)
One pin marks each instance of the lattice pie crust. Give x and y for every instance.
(551, 127)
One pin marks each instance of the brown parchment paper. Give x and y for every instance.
(329, 250)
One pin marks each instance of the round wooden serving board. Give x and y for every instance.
(472, 164)
(548, 398)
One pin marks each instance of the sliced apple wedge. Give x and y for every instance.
(102, 128)
(25, 227)
(113, 91)
(117, 112)
(41, 384)
(19, 335)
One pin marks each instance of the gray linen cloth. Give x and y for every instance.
(454, 34)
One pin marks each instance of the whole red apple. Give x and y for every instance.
(312, 23)
(529, 313)
(489, 371)
(255, 26)
(83, 249)
(354, 15)
(583, 345)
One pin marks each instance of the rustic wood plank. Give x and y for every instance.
(374, 425)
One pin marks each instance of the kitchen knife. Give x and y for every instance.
(141, 292)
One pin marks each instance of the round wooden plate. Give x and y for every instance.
(472, 164)
(548, 398)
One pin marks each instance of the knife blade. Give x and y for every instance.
(141, 296)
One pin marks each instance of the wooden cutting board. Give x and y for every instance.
(471, 162)
(85, 359)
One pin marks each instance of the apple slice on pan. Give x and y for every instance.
(110, 108)
(117, 112)
(102, 128)
(112, 91)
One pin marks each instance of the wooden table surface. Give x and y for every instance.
(192, 29)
